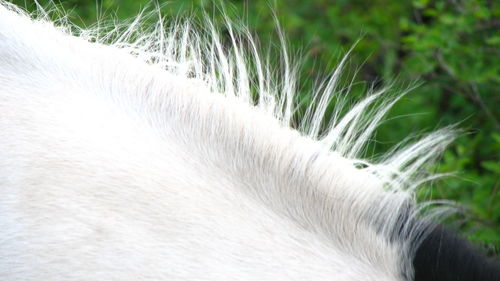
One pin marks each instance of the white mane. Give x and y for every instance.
(164, 153)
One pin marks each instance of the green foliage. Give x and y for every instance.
(451, 46)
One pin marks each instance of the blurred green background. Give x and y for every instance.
(451, 46)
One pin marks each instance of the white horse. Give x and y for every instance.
(134, 155)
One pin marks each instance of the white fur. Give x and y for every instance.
(139, 155)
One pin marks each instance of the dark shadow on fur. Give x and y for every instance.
(444, 256)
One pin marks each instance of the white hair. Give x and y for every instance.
(165, 154)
